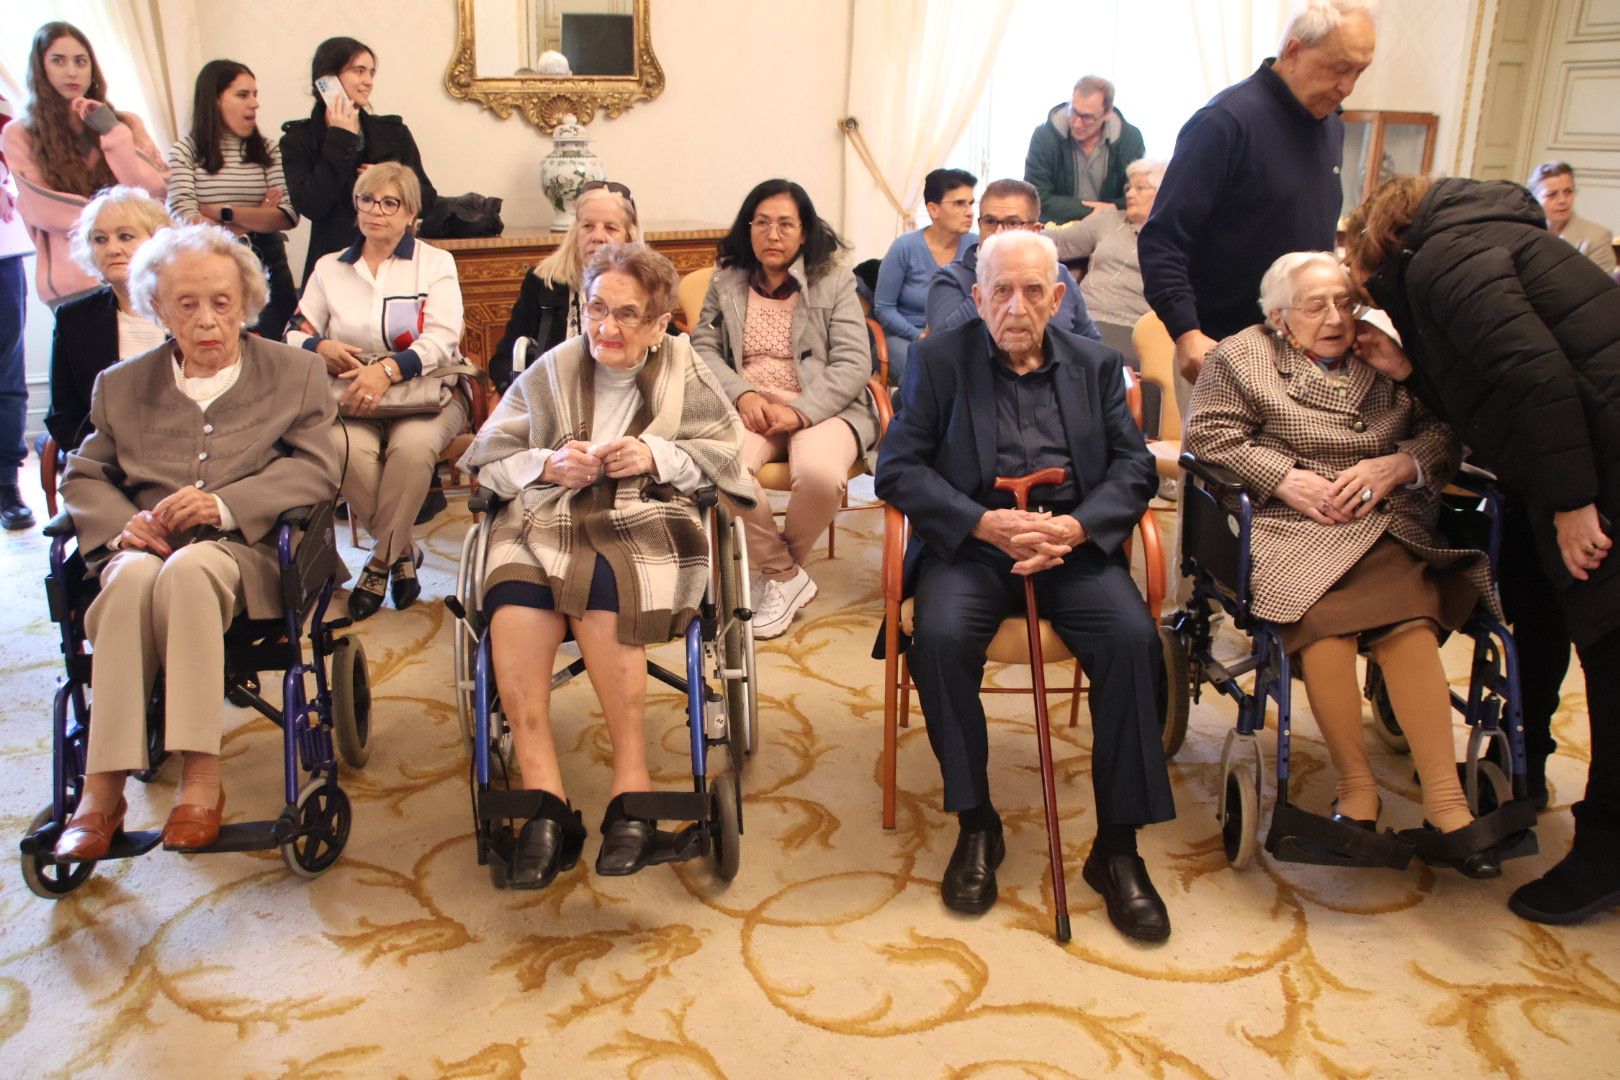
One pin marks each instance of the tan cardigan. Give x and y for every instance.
(264, 447)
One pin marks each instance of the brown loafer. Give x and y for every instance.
(88, 836)
(190, 826)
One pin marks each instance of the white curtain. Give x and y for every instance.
(1233, 36)
(917, 71)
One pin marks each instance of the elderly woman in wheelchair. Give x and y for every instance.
(600, 446)
(198, 447)
(1344, 469)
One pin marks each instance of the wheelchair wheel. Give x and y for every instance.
(50, 880)
(728, 839)
(463, 647)
(742, 695)
(1174, 694)
(1384, 722)
(1242, 765)
(351, 701)
(1486, 773)
(324, 818)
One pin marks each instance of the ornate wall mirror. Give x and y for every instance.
(545, 59)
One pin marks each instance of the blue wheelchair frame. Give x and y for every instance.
(313, 826)
(1220, 511)
(721, 712)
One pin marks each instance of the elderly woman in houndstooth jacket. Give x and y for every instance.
(1346, 466)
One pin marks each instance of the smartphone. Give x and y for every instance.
(330, 90)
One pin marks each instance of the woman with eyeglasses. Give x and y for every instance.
(783, 330)
(600, 446)
(547, 311)
(228, 173)
(383, 313)
(900, 301)
(1513, 336)
(325, 154)
(1346, 467)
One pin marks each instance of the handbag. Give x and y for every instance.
(427, 393)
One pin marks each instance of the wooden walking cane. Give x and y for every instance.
(1020, 488)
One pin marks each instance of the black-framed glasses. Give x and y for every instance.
(628, 318)
(388, 206)
(995, 224)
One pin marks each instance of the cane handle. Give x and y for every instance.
(1020, 485)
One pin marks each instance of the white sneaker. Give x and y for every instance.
(777, 602)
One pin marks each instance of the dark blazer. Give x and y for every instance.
(938, 459)
(1515, 340)
(84, 343)
(321, 164)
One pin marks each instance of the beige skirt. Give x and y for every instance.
(1387, 588)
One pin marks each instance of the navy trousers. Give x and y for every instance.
(13, 372)
(1096, 609)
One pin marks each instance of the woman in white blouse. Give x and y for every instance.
(382, 312)
(100, 328)
(228, 173)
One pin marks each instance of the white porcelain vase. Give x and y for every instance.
(565, 170)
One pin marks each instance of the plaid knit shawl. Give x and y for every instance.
(651, 535)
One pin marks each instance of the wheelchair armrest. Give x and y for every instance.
(708, 497)
(1223, 480)
(297, 517)
(60, 525)
(484, 501)
(1475, 479)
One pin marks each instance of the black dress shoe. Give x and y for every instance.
(405, 588)
(970, 879)
(627, 842)
(367, 595)
(1450, 850)
(1359, 823)
(431, 507)
(14, 513)
(549, 843)
(1134, 906)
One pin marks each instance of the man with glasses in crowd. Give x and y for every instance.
(1005, 205)
(1077, 158)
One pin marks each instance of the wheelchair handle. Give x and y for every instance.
(60, 525)
(1223, 480)
(1020, 485)
(297, 517)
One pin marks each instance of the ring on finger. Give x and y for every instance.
(1366, 494)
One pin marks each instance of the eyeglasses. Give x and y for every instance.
(388, 206)
(1317, 307)
(784, 227)
(1084, 117)
(957, 204)
(1141, 185)
(628, 318)
(995, 224)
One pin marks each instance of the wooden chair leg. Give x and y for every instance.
(891, 734)
(47, 475)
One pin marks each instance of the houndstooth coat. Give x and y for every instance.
(1261, 407)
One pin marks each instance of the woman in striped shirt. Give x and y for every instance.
(226, 172)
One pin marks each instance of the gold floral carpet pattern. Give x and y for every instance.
(830, 955)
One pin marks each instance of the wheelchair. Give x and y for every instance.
(720, 682)
(334, 723)
(1216, 555)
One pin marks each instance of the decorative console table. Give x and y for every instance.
(492, 268)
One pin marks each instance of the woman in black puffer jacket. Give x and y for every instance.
(1513, 337)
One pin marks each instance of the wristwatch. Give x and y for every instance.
(390, 368)
(227, 215)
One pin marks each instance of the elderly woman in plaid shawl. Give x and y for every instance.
(600, 445)
(1346, 468)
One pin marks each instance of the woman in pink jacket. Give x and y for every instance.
(70, 145)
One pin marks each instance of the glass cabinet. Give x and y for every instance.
(1379, 145)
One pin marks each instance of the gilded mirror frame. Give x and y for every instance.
(544, 101)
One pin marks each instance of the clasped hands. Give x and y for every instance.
(1352, 494)
(1034, 541)
(578, 464)
(149, 530)
(764, 417)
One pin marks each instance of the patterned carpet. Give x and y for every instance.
(829, 955)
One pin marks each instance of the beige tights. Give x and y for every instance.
(1421, 698)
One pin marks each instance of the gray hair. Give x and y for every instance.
(1096, 84)
(651, 270)
(1277, 286)
(202, 239)
(146, 211)
(1009, 241)
(401, 176)
(1154, 170)
(1313, 20)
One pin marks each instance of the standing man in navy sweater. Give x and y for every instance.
(1255, 175)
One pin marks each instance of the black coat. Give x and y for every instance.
(84, 343)
(541, 314)
(321, 164)
(1515, 337)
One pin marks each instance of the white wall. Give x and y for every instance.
(752, 91)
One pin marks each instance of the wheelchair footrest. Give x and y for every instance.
(691, 842)
(124, 845)
(1509, 829)
(508, 804)
(1300, 836)
(242, 836)
(667, 805)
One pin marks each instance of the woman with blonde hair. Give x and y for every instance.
(548, 306)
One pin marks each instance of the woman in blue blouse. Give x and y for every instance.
(901, 299)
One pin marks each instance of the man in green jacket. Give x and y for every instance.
(1077, 158)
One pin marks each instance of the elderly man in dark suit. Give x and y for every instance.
(1007, 395)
